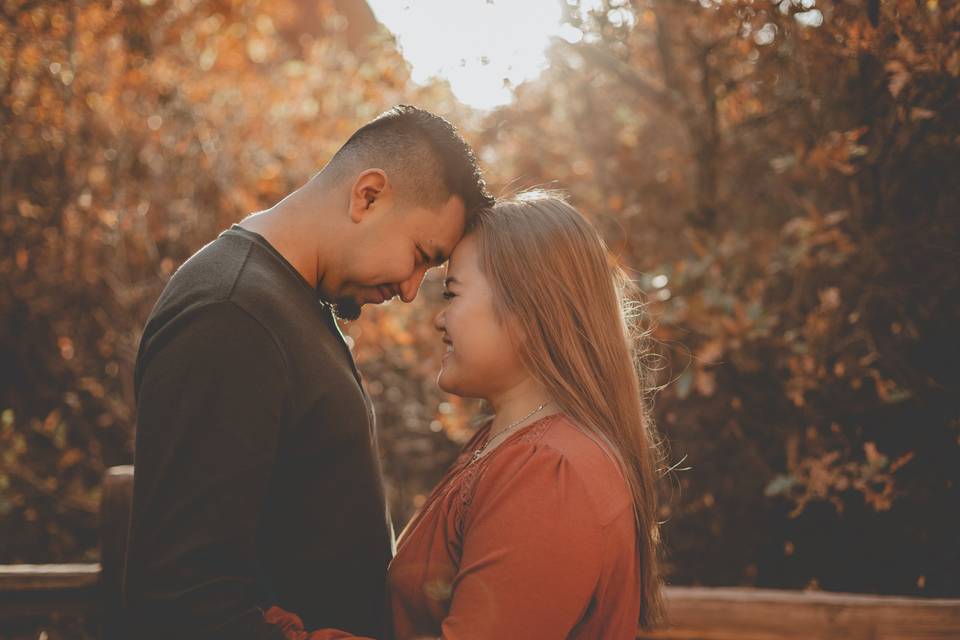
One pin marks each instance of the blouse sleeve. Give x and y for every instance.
(531, 552)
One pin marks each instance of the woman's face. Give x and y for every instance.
(481, 359)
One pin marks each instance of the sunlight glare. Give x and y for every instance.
(483, 48)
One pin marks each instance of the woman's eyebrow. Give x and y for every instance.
(450, 280)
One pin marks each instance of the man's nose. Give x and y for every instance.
(410, 286)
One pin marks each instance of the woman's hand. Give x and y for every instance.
(292, 627)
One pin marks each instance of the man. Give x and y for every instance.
(257, 477)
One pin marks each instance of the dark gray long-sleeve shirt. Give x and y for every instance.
(257, 480)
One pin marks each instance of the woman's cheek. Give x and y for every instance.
(458, 369)
(451, 374)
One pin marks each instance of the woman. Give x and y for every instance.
(545, 526)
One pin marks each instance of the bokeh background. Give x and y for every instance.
(779, 178)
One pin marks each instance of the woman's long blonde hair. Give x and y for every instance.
(549, 270)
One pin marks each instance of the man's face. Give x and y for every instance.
(396, 248)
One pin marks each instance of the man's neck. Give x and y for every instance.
(285, 226)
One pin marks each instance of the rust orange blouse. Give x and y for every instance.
(534, 540)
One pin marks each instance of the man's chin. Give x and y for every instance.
(346, 308)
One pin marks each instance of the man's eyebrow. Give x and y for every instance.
(437, 259)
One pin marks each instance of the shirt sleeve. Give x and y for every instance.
(210, 406)
(531, 550)
(293, 629)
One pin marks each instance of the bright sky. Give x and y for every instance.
(474, 44)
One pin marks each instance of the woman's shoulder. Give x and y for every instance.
(560, 456)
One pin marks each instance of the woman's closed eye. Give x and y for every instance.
(449, 295)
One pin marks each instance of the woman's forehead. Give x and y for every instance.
(463, 260)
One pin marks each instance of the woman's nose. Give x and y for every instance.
(440, 321)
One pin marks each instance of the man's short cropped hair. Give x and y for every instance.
(423, 155)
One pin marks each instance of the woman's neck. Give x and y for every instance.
(525, 402)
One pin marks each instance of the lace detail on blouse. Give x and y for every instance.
(472, 473)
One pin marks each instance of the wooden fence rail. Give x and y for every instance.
(695, 613)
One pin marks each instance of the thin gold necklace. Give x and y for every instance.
(479, 452)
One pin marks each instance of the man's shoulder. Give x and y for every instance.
(207, 276)
(230, 268)
(204, 291)
(236, 281)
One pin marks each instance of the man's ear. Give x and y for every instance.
(368, 194)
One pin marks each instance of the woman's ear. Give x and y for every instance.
(368, 193)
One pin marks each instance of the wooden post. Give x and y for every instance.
(115, 506)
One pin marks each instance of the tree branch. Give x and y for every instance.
(663, 97)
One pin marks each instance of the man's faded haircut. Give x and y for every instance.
(422, 154)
